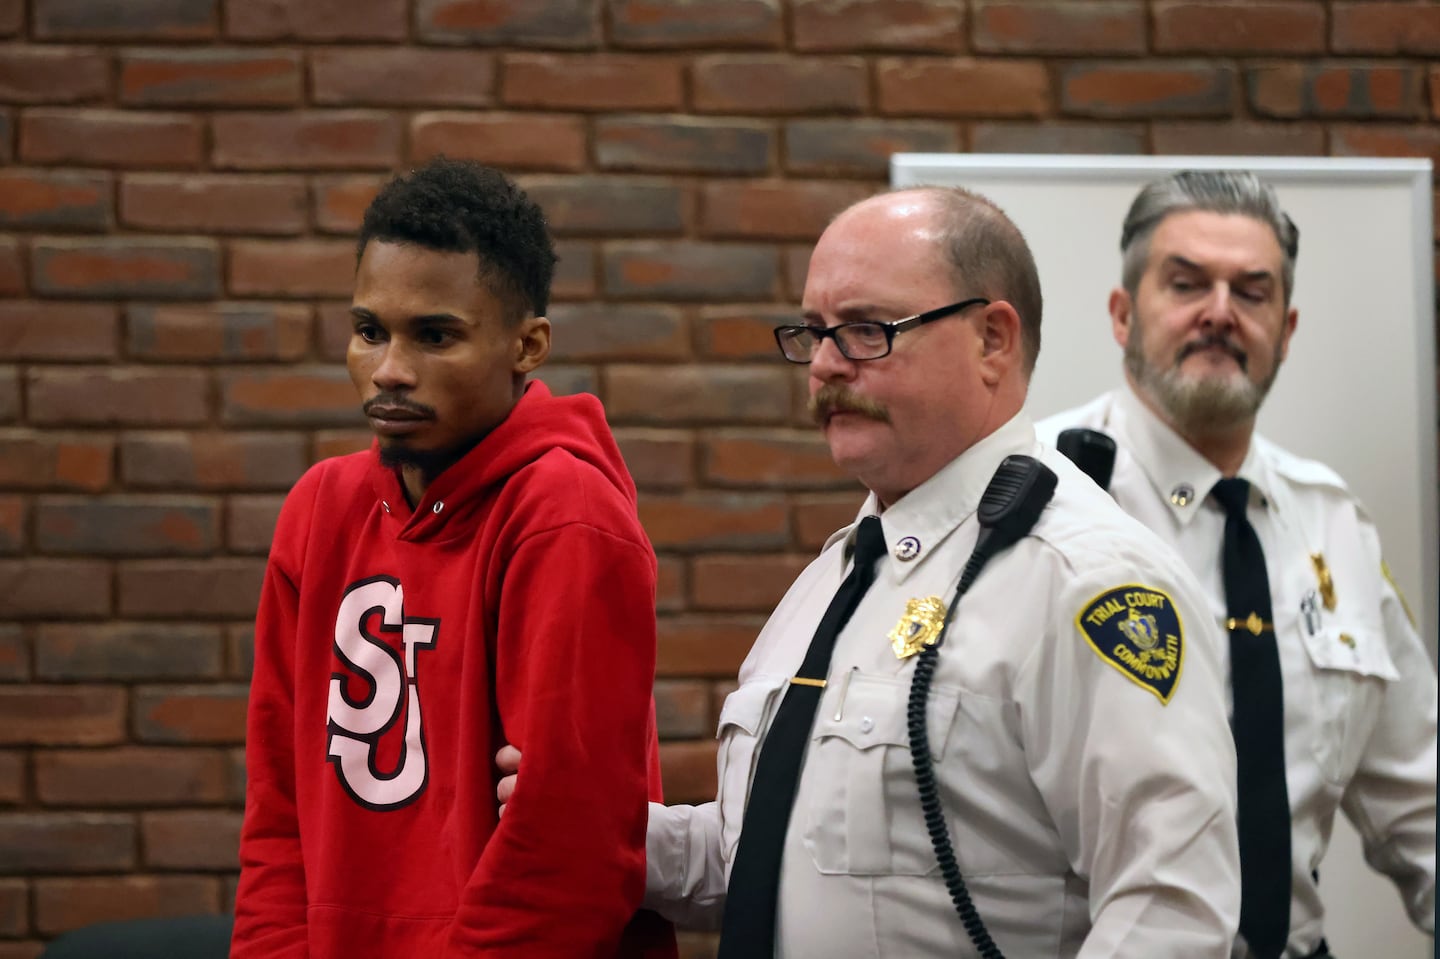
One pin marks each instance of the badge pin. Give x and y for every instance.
(919, 627)
(1327, 584)
(907, 549)
(1182, 494)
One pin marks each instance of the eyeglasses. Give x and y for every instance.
(863, 340)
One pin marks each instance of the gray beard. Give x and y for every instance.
(1198, 406)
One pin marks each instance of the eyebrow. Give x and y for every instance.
(427, 319)
(1249, 276)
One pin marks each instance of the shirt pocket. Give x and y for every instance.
(862, 814)
(1350, 666)
(745, 713)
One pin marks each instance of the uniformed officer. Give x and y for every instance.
(1343, 712)
(1076, 721)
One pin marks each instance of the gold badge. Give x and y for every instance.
(919, 627)
(1327, 584)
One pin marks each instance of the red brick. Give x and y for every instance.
(14, 776)
(50, 842)
(783, 210)
(333, 330)
(306, 140)
(1056, 26)
(211, 77)
(130, 776)
(762, 83)
(658, 459)
(228, 332)
(330, 443)
(1239, 26)
(117, 396)
(892, 25)
(127, 651)
(14, 667)
(191, 714)
(688, 771)
(31, 74)
(1169, 89)
(240, 644)
(60, 716)
(403, 76)
(132, 20)
(315, 20)
(682, 708)
(293, 396)
(741, 333)
(1435, 102)
(597, 332)
(605, 82)
(127, 526)
(670, 589)
(513, 141)
(340, 202)
(212, 460)
(547, 23)
(575, 271)
(111, 138)
(686, 23)
(1057, 137)
(1377, 140)
(213, 203)
(21, 950)
(250, 523)
(770, 460)
(683, 144)
(795, 262)
(565, 380)
(713, 520)
(687, 270)
(55, 199)
(38, 330)
(12, 17)
(964, 87)
(14, 520)
(12, 267)
(49, 460)
(704, 646)
(14, 908)
(1393, 29)
(1238, 139)
(191, 839)
(1316, 90)
(743, 583)
(597, 205)
(291, 268)
(65, 904)
(113, 267)
(861, 146)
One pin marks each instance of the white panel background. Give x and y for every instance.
(1357, 392)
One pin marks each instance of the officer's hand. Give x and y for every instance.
(508, 760)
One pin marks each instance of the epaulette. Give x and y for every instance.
(1298, 470)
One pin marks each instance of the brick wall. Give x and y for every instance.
(180, 184)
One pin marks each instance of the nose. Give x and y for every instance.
(395, 370)
(1218, 308)
(829, 364)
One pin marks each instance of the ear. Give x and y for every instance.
(1001, 347)
(1292, 317)
(1122, 312)
(532, 344)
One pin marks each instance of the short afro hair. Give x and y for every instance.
(459, 206)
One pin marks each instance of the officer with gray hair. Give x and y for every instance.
(1333, 698)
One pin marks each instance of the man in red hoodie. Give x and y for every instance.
(479, 576)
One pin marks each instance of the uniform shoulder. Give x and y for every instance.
(1092, 414)
(1299, 470)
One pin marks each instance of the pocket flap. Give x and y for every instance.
(745, 707)
(1353, 650)
(872, 712)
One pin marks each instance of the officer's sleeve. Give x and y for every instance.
(684, 868)
(1129, 743)
(1391, 798)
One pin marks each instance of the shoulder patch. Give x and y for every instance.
(1137, 630)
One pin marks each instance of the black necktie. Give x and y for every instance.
(748, 929)
(1259, 727)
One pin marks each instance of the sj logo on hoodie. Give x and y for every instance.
(377, 771)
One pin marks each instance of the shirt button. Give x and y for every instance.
(866, 724)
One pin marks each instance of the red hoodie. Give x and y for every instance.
(396, 650)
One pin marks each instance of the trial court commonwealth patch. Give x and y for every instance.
(1136, 629)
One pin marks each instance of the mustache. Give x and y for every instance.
(833, 398)
(396, 401)
(1211, 341)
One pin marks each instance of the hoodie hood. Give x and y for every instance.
(540, 423)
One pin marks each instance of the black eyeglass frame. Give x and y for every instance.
(890, 329)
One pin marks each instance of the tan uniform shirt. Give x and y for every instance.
(1360, 692)
(1089, 817)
